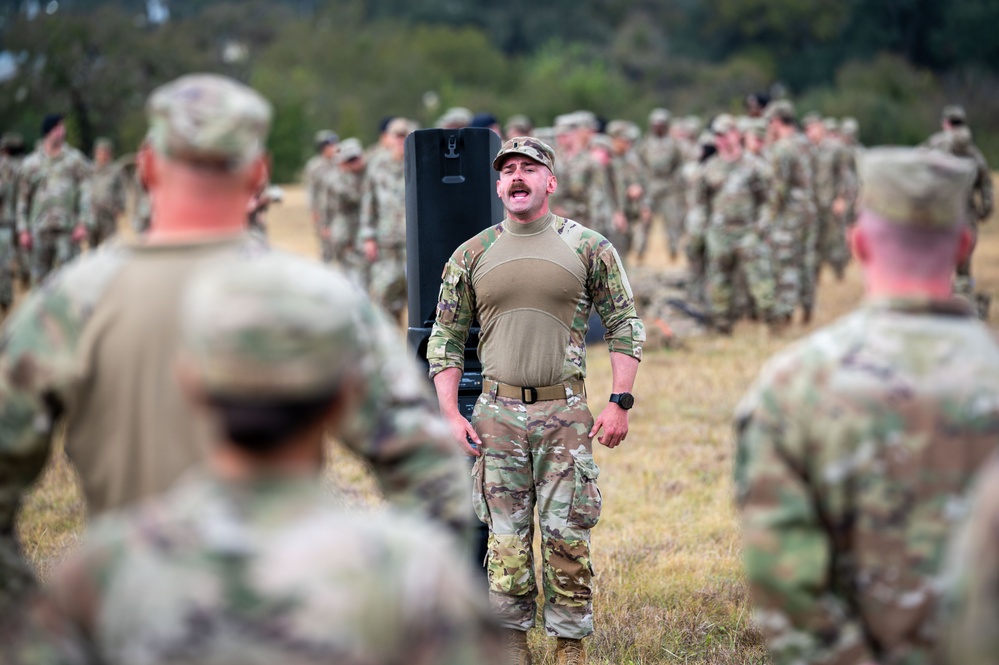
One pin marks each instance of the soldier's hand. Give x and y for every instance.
(620, 222)
(462, 431)
(79, 233)
(635, 191)
(614, 421)
(839, 207)
(25, 240)
(371, 250)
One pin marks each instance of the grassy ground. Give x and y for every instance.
(666, 551)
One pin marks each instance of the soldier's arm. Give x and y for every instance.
(696, 221)
(369, 211)
(38, 370)
(787, 549)
(25, 194)
(614, 302)
(984, 186)
(970, 623)
(397, 430)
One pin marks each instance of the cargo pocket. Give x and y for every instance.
(586, 502)
(479, 491)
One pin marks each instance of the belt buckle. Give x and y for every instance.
(529, 395)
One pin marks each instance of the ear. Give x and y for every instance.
(499, 188)
(965, 244)
(145, 162)
(258, 173)
(552, 184)
(859, 243)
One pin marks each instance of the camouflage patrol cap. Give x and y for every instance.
(208, 119)
(528, 146)
(780, 109)
(916, 187)
(659, 116)
(518, 121)
(723, 123)
(349, 149)
(831, 124)
(850, 127)
(103, 142)
(11, 140)
(693, 125)
(757, 127)
(601, 141)
(623, 129)
(270, 326)
(400, 126)
(325, 137)
(954, 113)
(811, 117)
(587, 119)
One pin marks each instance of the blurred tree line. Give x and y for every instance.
(346, 64)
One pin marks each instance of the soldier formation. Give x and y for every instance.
(199, 347)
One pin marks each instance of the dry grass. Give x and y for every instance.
(670, 588)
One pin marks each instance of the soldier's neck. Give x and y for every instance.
(178, 218)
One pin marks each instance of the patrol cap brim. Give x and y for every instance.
(528, 146)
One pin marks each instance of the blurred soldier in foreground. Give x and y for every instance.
(856, 445)
(792, 208)
(51, 220)
(248, 560)
(956, 139)
(340, 210)
(730, 209)
(534, 277)
(11, 149)
(107, 193)
(383, 221)
(95, 347)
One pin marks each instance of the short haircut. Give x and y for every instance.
(261, 426)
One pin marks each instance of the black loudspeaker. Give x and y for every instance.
(450, 197)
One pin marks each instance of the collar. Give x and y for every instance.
(953, 306)
(531, 228)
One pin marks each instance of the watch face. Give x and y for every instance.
(626, 400)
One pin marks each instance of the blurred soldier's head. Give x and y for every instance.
(397, 132)
(204, 151)
(12, 143)
(269, 348)
(587, 125)
(953, 116)
(659, 122)
(850, 129)
(326, 142)
(623, 135)
(53, 131)
(815, 129)
(350, 156)
(728, 138)
(103, 151)
(601, 148)
(755, 136)
(565, 132)
(780, 118)
(755, 104)
(518, 125)
(912, 229)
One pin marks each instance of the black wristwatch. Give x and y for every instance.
(623, 400)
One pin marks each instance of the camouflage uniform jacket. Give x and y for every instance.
(312, 175)
(340, 205)
(583, 193)
(10, 173)
(606, 289)
(958, 142)
(269, 570)
(627, 170)
(663, 160)
(731, 196)
(793, 177)
(50, 192)
(44, 370)
(383, 203)
(854, 448)
(107, 190)
(834, 177)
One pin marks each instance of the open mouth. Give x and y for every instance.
(519, 193)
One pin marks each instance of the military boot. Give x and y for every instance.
(515, 647)
(570, 652)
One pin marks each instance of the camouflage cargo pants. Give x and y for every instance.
(732, 253)
(792, 244)
(388, 280)
(8, 264)
(538, 455)
(831, 243)
(49, 251)
(105, 226)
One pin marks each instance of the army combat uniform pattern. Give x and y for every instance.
(543, 276)
(854, 449)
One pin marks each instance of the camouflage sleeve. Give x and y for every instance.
(696, 222)
(984, 186)
(39, 372)
(788, 553)
(369, 220)
(600, 195)
(25, 193)
(397, 429)
(781, 165)
(84, 170)
(455, 313)
(970, 617)
(610, 290)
